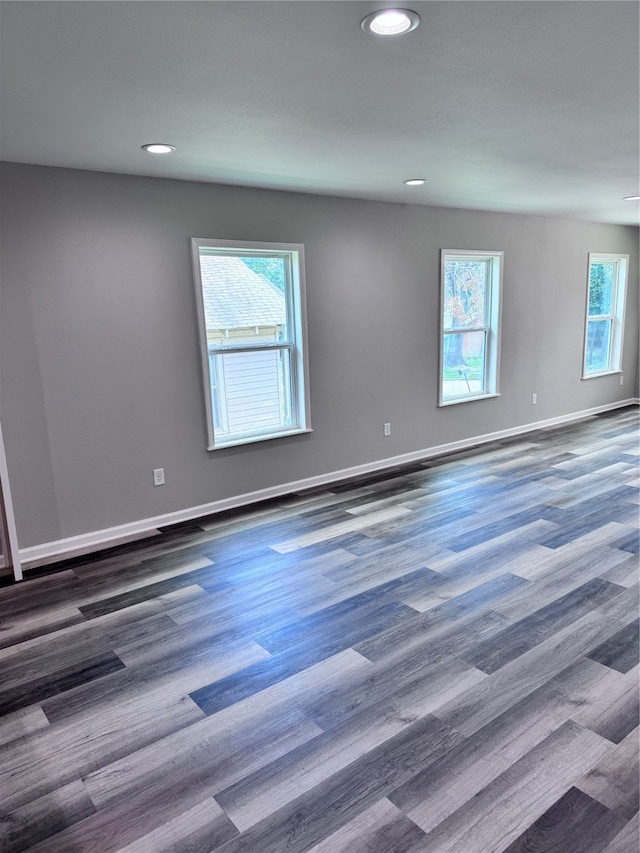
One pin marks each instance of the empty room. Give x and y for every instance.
(319, 441)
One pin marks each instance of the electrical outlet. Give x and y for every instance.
(534, 399)
(158, 476)
(387, 429)
(621, 379)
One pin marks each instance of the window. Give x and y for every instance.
(471, 285)
(606, 288)
(251, 313)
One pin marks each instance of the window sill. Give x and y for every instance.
(254, 439)
(444, 403)
(601, 373)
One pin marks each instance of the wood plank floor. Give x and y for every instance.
(442, 657)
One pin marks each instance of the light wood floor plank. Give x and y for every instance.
(613, 781)
(441, 656)
(381, 827)
(22, 723)
(496, 816)
(48, 815)
(517, 679)
(627, 840)
(203, 828)
(434, 795)
(338, 530)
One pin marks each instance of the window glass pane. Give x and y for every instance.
(598, 345)
(601, 279)
(257, 391)
(463, 364)
(465, 289)
(244, 299)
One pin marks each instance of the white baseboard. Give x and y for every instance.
(108, 537)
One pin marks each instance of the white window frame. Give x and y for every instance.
(491, 327)
(296, 343)
(616, 317)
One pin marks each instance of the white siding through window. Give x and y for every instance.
(253, 395)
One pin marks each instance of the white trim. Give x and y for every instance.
(254, 438)
(9, 520)
(619, 299)
(492, 328)
(295, 283)
(455, 400)
(74, 545)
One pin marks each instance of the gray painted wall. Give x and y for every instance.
(99, 362)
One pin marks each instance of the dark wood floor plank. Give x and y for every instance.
(499, 814)
(366, 720)
(273, 597)
(21, 669)
(627, 840)
(619, 511)
(507, 554)
(68, 750)
(614, 711)
(562, 583)
(432, 796)
(59, 681)
(40, 591)
(363, 721)
(166, 641)
(426, 674)
(201, 829)
(22, 828)
(217, 751)
(574, 824)
(193, 765)
(425, 693)
(498, 528)
(624, 574)
(383, 827)
(22, 723)
(276, 586)
(416, 521)
(112, 830)
(517, 679)
(142, 593)
(613, 781)
(476, 601)
(174, 676)
(132, 622)
(622, 650)
(588, 486)
(631, 544)
(351, 525)
(338, 618)
(43, 620)
(313, 816)
(273, 787)
(114, 576)
(382, 566)
(508, 644)
(220, 694)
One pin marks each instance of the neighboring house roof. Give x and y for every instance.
(235, 297)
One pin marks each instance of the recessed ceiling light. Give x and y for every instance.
(415, 182)
(390, 22)
(631, 198)
(158, 148)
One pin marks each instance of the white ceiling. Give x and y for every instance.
(507, 105)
